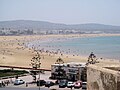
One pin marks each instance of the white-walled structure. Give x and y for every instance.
(70, 71)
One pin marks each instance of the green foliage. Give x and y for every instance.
(9, 72)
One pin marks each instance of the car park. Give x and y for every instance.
(70, 84)
(84, 85)
(18, 82)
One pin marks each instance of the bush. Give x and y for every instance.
(9, 72)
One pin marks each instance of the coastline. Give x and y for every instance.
(13, 51)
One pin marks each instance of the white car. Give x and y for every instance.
(70, 84)
(18, 82)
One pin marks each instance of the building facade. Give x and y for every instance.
(71, 71)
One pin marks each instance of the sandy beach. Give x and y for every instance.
(14, 52)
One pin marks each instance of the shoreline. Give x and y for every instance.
(69, 51)
(13, 52)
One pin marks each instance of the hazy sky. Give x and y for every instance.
(62, 11)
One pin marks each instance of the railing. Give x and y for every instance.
(18, 67)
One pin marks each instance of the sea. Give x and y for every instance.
(103, 47)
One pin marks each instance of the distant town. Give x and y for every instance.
(28, 27)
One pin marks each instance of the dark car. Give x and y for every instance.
(63, 83)
(41, 82)
(56, 82)
(49, 83)
(84, 85)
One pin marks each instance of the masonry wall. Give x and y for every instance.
(102, 79)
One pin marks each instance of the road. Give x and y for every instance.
(42, 88)
(8, 88)
(29, 78)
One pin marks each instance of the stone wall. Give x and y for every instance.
(99, 78)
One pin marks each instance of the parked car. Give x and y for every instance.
(78, 84)
(63, 83)
(18, 82)
(41, 82)
(70, 84)
(49, 83)
(56, 82)
(84, 85)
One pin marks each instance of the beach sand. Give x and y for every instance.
(14, 53)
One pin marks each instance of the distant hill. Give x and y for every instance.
(42, 25)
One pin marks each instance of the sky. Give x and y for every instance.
(62, 11)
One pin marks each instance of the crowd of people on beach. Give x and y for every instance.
(49, 51)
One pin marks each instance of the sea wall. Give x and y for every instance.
(99, 78)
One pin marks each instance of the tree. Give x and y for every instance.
(91, 59)
(59, 61)
(35, 62)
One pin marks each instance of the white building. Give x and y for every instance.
(71, 71)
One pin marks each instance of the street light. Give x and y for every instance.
(35, 62)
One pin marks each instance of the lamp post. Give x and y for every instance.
(35, 62)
